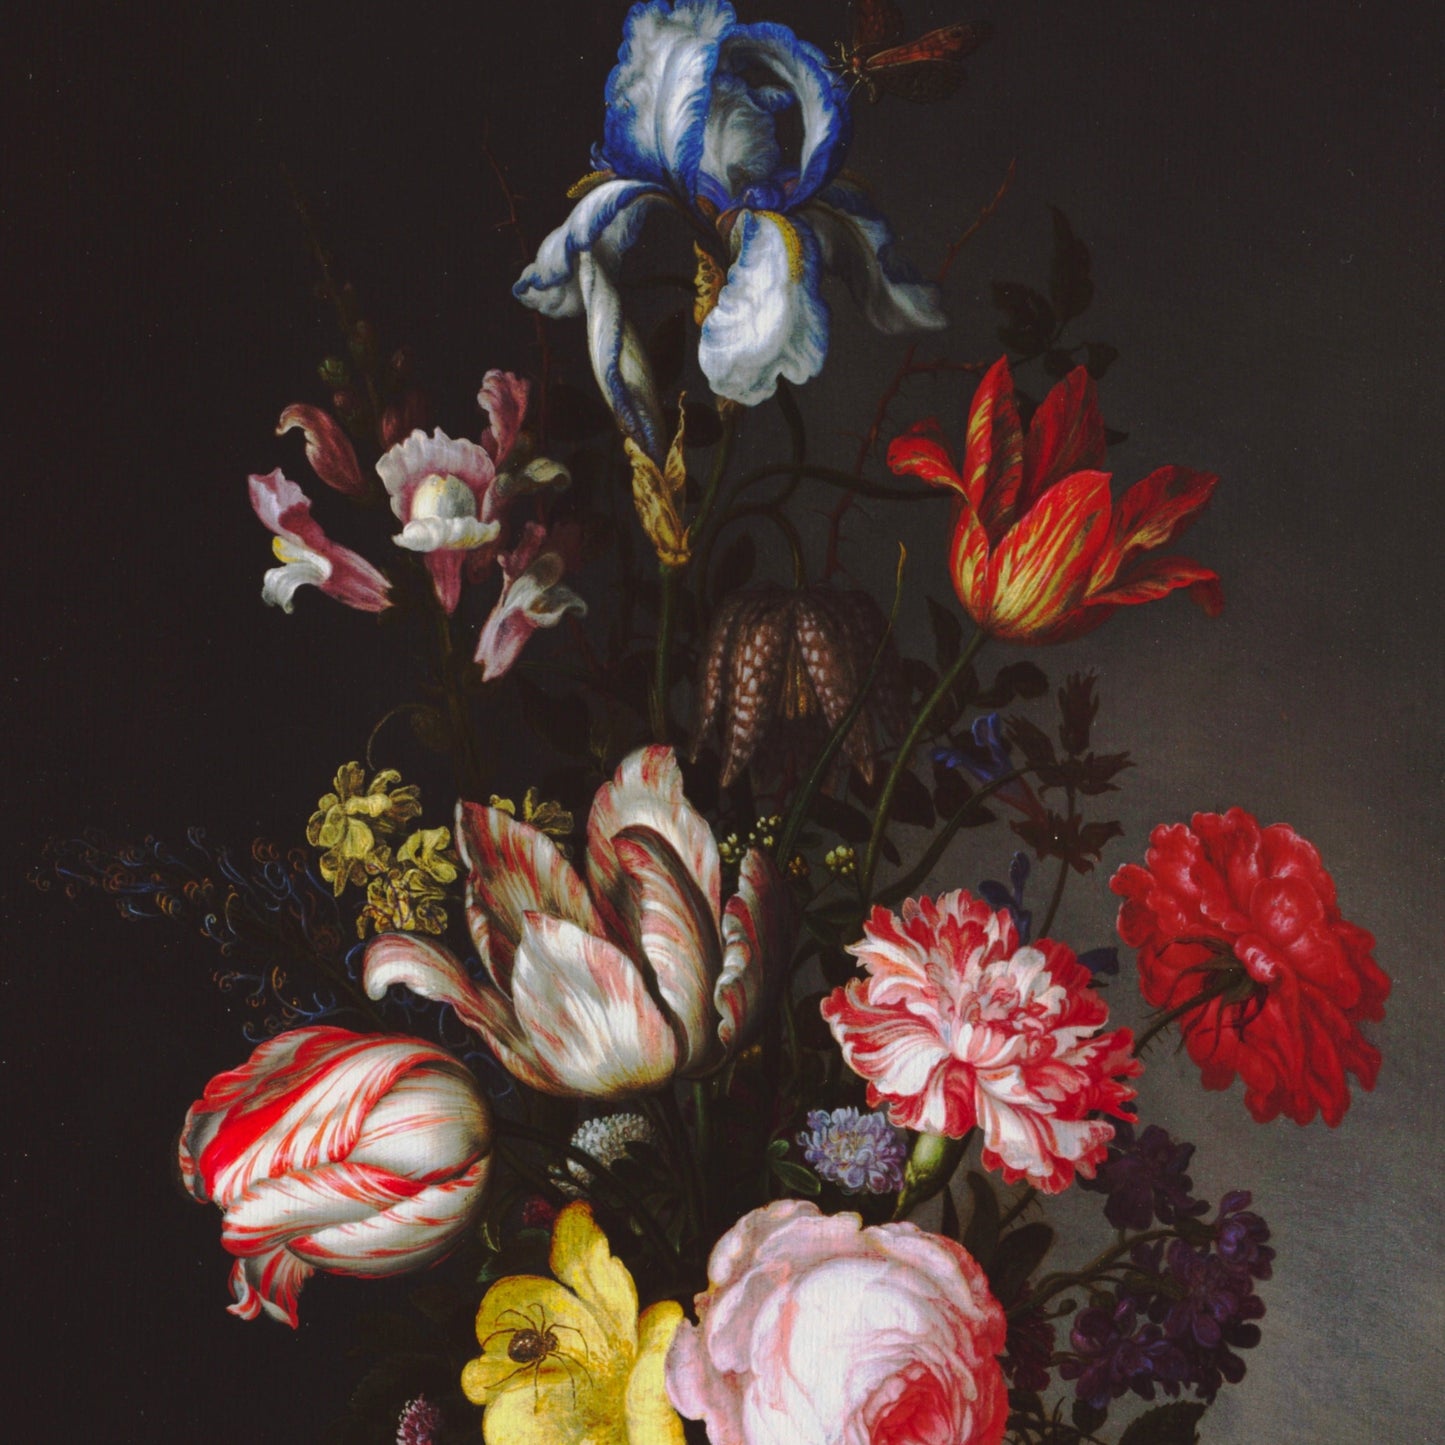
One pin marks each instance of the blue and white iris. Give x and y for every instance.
(699, 119)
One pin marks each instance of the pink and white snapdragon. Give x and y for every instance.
(532, 596)
(612, 986)
(353, 1154)
(957, 1026)
(451, 494)
(307, 555)
(816, 1331)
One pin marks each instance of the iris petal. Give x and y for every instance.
(770, 319)
(659, 91)
(859, 245)
(803, 69)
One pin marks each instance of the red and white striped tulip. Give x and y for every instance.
(613, 986)
(349, 1153)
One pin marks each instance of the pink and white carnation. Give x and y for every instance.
(307, 555)
(349, 1153)
(816, 1331)
(957, 1026)
(451, 494)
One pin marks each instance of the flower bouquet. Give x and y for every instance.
(679, 1043)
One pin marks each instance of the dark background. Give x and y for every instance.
(1261, 189)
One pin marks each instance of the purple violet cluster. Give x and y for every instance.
(1187, 1305)
(860, 1153)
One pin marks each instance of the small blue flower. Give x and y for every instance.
(858, 1152)
(694, 107)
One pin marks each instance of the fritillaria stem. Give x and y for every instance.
(884, 804)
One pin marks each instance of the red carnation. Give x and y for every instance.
(1247, 915)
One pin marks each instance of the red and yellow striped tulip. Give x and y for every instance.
(1040, 551)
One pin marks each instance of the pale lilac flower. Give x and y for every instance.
(861, 1153)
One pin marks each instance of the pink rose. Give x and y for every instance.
(817, 1331)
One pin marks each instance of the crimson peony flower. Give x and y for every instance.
(816, 1331)
(349, 1153)
(1249, 915)
(1040, 552)
(956, 1025)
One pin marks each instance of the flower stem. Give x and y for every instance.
(901, 887)
(669, 577)
(1053, 1284)
(1056, 898)
(884, 805)
(1229, 978)
(798, 813)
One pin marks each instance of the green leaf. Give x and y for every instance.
(1087, 1417)
(794, 1176)
(981, 1237)
(1099, 357)
(1018, 1255)
(1165, 1425)
(1031, 321)
(949, 1224)
(1070, 284)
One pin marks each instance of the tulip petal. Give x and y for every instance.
(922, 451)
(677, 935)
(431, 971)
(1150, 515)
(647, 792)
(414, 1231)
(1153, 577)
(993, 456)
(591, 1024)
(757, 929)
(515, 869)
(770, 319)
(1043, 567)
(858, 244)
(298, 1102)
(1065, 436)
(328, 448)
(270, 1283)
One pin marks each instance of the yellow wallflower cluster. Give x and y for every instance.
(550, 818)
(567, 1361)
(356, 826)
(409, 896)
